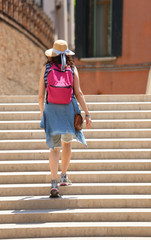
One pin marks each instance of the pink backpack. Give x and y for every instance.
(59, 85)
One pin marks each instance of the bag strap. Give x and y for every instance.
(48, 66)
(72, 69)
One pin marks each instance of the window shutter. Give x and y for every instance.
(117, 21)
(82, 28)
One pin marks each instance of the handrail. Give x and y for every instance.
(27, 14)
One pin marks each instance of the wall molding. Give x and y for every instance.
(114, 67)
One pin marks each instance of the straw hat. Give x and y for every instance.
(59, 47)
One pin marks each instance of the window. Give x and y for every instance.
(98, 28)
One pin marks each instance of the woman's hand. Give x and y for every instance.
(41, 114)
(88, 122)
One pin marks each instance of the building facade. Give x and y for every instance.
(112, 40)
(61, 12)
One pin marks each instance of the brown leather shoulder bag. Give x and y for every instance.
(78, 120)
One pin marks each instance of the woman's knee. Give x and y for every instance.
(66, 145)
(55, 150)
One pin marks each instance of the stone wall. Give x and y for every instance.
(21, 61)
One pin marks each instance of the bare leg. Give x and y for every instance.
(54, 162)
(66, 155)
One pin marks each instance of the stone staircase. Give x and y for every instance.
(111, 193)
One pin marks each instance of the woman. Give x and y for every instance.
(58, 119)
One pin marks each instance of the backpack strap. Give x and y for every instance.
(72, 69)
(48, 65)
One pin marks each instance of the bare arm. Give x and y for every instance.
(42, 91)
(80, 97)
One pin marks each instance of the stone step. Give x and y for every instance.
(35, 124)
(78, 165)
(102, 106)
(91, 106)
(91, 133)
(76, 229)
(75, 201)
(123, 114)
(28, 106)
(75, 189)
(77, 177)
(89, 238)
(116, 143)
(96, 124)
(76, 215)
(25, 134)
(88, 98)
(20, 99)
(118, 98)
(78, 154)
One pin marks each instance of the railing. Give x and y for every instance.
(27, 14)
